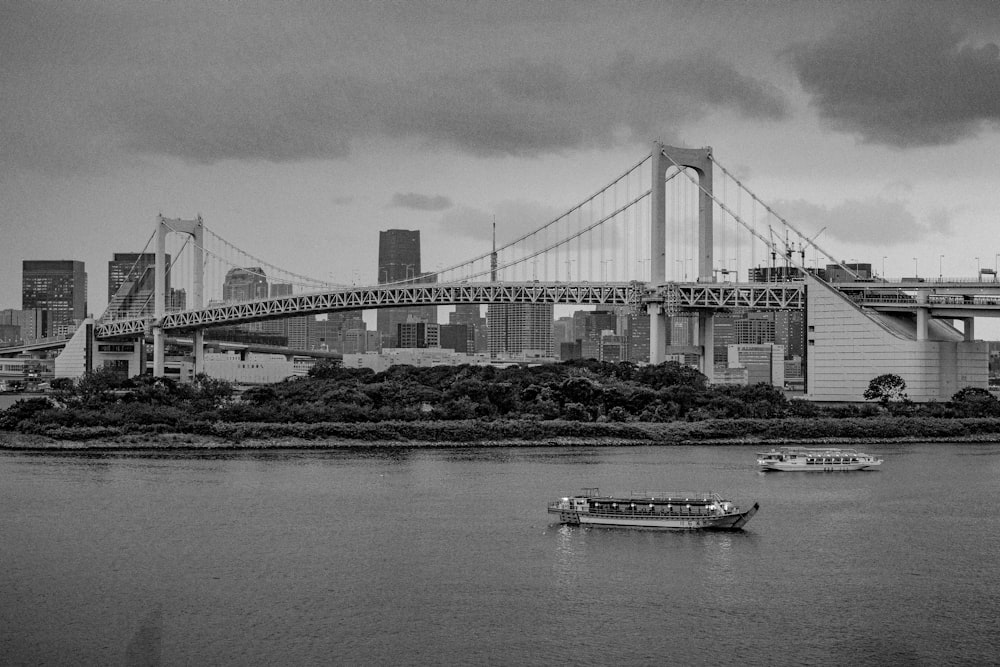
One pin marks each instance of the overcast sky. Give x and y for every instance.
(298, 130)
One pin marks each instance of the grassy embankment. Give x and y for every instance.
(763, 432)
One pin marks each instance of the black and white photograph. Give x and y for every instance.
(499, 332)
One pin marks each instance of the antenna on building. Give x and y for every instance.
(493, 256)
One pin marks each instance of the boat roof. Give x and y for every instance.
(646, 496)
(813, 450)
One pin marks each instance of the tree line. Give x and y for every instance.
(577, 391)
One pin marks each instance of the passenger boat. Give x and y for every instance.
(657, 510)
(816, 459)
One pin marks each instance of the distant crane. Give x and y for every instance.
(809, 241)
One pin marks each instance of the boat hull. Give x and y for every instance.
(825, 467)
(731, 521)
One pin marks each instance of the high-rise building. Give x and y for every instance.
(724, 332)
(458, 337)
(360, 341)
(293, 330)
(790, 332)
(245, 284)
(590, 326)
(755, 328)
(59, 289)
(612, 348)
(399, 261)
(131, 282)
(416, 333)
(298, 332)
(637, 326)
(520, 330)
(471, 316)
(21, 325)
(764, 363)
(562, 330)
(329, 334)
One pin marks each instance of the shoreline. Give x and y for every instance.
(180, 442)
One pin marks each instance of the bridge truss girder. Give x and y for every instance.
(366, 298)
(675, 298)
(681, 297)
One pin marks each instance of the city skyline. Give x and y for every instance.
(874, 125)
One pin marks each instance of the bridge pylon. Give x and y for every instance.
(196, 229)
(700, 160)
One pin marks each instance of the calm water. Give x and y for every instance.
(368, 557)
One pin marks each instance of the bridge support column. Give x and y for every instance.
(198, 349)
(159, 296)
(195, 228)
(657, 334)
(706, 339)
(922, 314)
(969, 328)
(699, 159)
(921, 324)
(658, 223)
(159, 351)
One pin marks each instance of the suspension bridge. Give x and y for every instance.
(670, 235)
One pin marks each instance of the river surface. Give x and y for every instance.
(447, 557)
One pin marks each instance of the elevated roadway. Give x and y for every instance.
(945, 299)
(674, 297)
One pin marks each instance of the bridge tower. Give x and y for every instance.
(700, 160)
(196, 229)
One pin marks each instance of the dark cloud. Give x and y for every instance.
(83, 83)
(420, 202)
(906, 77)
(880, 222)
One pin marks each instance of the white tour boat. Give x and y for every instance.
(807, 459)
(665, 511)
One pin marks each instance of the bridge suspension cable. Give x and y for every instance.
(751, 228)
(537, 243)
(810, 241)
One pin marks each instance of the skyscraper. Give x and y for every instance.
(59, 289)
(470, 315)
(589, 327)
(399, 261)
(131, 280)
(520, 329)
(638, 337)
(245, 284)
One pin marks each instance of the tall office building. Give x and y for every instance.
(399, 261)
(470, 315)
(59, 289)
(458, 337)
(755, 328)
(520, 330)
(245, 284)
(131, 281)
(789, 332)
(330, 334)
(562, 330)
(637, 326)
(20, 325)
(589, 327)
(418, 334)
(278, 327)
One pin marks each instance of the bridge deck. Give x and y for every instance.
(945, 299)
